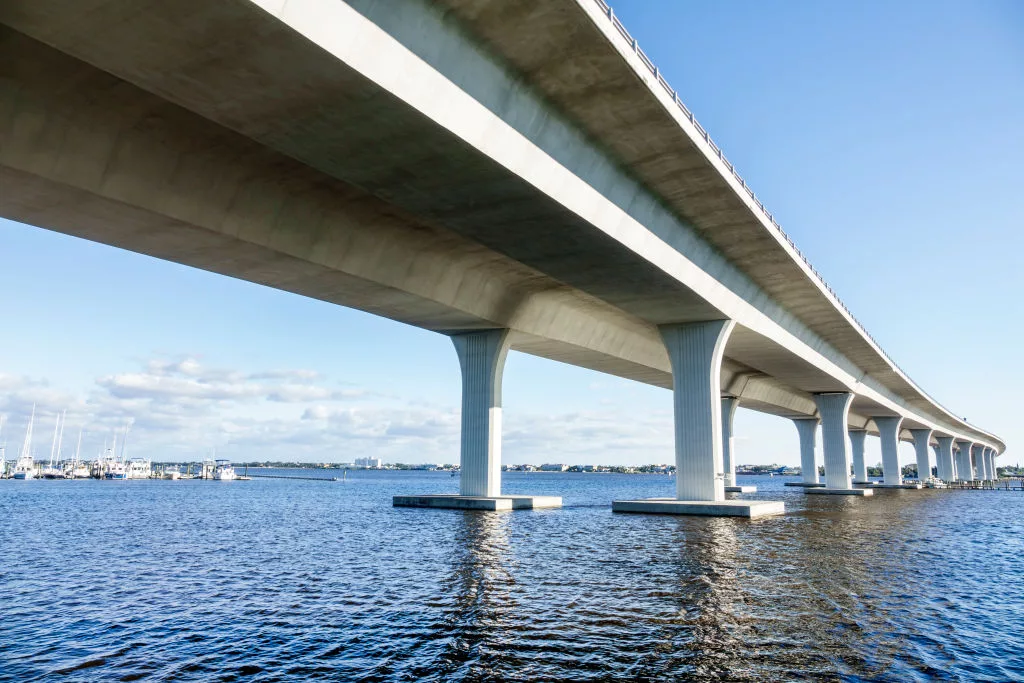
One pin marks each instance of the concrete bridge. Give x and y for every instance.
(518, 176)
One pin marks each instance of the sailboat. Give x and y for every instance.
(24, 468)
(135, 468)
(112, 467)
(79, 470)
(52, 470)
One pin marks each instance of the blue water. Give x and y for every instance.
(276, 580)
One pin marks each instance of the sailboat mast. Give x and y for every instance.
(124, 442)
(60, 439)
(26, 448)
(53, 445)
(78, 449)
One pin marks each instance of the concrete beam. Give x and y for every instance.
(695, 351)
(889, 429)
(807, 429)
(922, 437)
(860, 469)
(482, 360)
(834, 409)
(944, 458)
(964, 470)
(729, 404)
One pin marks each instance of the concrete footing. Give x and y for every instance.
(491, 503)
(805, 484)
(741, 489)
(840, 492)
(706, 508)
(896, 486)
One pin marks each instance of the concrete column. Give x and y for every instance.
(807, 428)
(889, 433)
(860, 468)
(835, 441)
(979, 467)
(993, 473)
(944, 458)
(963, 461)
(695, 351)
(482, 358)
(924, 454)
(729, 404)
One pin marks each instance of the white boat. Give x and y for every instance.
(78, 469)
(934, 483)
(114, 470)
(172, 473)
(25, 468)
(224, 471)
(52, 469)
(138, 468)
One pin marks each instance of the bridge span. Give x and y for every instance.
(518, 176)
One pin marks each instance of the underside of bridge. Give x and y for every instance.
(366, 155)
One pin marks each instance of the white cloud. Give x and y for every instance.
(182, 408)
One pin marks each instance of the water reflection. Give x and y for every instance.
(479, 593)
(707, 639)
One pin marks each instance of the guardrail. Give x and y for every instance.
(606, 9)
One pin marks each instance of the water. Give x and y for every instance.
(274, 579)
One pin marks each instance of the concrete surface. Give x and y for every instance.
(233, 137)
(721, 508)
(840, 492)
(489, 503)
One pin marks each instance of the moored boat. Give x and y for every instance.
(224, 471)
(25, 467)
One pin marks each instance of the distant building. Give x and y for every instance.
(553, 468)
(369, 463)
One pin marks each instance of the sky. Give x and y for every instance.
(886, 138)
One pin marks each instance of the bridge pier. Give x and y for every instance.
(963, 461)
(922, 437)
(482, 361)
(978, 454)
(944, 458)
(889, 434)
(834, 409)
(975, 460)
(860, 468)
(807, 429)
(695, 351)
(993, 474)
(729, 405)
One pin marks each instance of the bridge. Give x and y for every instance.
(518, 176)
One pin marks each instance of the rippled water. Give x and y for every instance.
(274, 579)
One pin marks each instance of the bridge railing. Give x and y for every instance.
(607, 11)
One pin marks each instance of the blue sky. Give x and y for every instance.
(885, 137)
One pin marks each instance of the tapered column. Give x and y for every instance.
(695, 351)
(729, 404)
(944, 458)
(482, 359)
(807, 428)
(979, 462)
(835, 442)
(860, 468)
(889, 433)
(922, 437)
(992, 464)
(963, 461)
